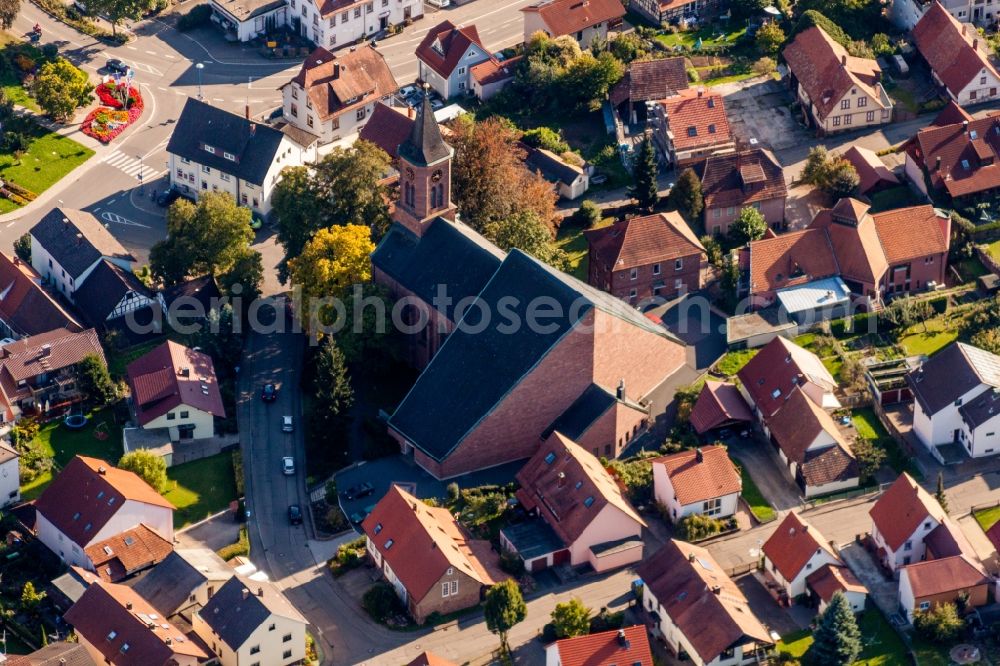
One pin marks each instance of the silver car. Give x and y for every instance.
(288, 466)
(286, 424)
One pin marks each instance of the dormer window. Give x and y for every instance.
(378, 528)
(229, 156)
(965, 164)
(692, 131)
(388, 544)
(589, 502)
(551, 458)
(209, 149)
(776, 393)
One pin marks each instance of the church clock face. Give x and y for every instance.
(436, 176)
(409, 174)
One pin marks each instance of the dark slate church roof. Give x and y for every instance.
(425, 145)
(449, 254)
(474, 370)
(254, 145)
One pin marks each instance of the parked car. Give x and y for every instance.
(256, 221)
(116, 66)
(269, 393)
(295, 514)
(286, 424)
(358, 517)
(288, 466)
(363, 489)
(167, 197)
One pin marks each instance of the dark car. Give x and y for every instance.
(116, 66)
(358, 517)
(363, 489)
(269, 393)
(167, 197)
(295, 514)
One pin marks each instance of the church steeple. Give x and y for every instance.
(424, 173)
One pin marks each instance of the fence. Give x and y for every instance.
(743, 569)
(981, 507)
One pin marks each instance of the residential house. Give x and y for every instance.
(60, 653)
(719, 405)
(333, 96)
(690, 127)
(568, 489)
(212, 150)
(744, 179)
(569, 180)
(811, 445)
(873, 174)
(175, 388)
(119, 627)
(186, 578)
(112, 298)
(583, 21)
(484, 383)
(958, 159)
(127, 553)
(958, 56)
(427, 556)
(628, 645)
(905, 14)
(249, 621)
(90, 501)
(700, 611)
(387, 128)
(834, 578)
(192, 300)
(780, 367)
(446, 56)
(10, 475)
(491, 76)
(245, 20)
(676, 12)
(873, 254)
(795, 551)
(640, 258)
(39, 372)
(647, 81)
(67, 245)
(703, 481)
(26, 309)
(924, 585)
(957, 399)
(902, 519)
(837, 91)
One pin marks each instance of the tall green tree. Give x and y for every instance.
(117, 11)
(22, 248)
(525, 232)
(749, 226)
(842, 179)
(148, 466)
(571, 618)
(837, 639)
(504, 607)
(95, 382)
(686, 195)
(30, 597)
(60, 88)
(209, 236)
(770, 37)
(644, 188)
(8, 12)
(332, 385)
(869, 456)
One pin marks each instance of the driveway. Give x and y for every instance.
(700, 328)
(763, 605)
(883, 591)
(758, 458)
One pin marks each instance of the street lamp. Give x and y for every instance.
(200, 66)
(140, 173)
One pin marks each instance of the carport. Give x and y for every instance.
(535, 543)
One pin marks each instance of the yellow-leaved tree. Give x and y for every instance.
(334, 258)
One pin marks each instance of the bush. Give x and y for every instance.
(697, 527)
(349, 556)
(606, 621)
(239, 549)
(453, 491)
(693, 75)
(511, 563)
(197, 17)
(547, 138)
(587, 215)
(940, 624)
(381, 602)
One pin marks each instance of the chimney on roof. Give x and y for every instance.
(128, 605)
(409, 112)
(622, 640)
(246, 110)
(843, 60)
(699, 455)
(965, 125)
(562, 480)
(937, 163)
(964, 26)
(336, 70)
(168, 641)
(716, 590)
(79, 239)
(620, 392)
(975, 44)
(691, 557)
(102, 470)
(246, 593)
(185, 372)
(805, 528)
(260, 591)
(46, 350)
(66, 221)
(701, 91)
(253, 128)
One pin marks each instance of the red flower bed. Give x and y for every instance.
(106, 122)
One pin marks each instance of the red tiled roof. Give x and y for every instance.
(387, 128)
(123, 627)
(452, 44)
(955, 51)
(901, 509)
(127, 552)
(170, 376)
(339, 83)
(994, 535)
(430, 659)
(854, 241)
(607, 648)
(832, 578)
(718, 404)
(24, 305)
(948, 156)
(911, 233)
(24, 359)
(648, 80)
(723, 181)
(951, 113)
(565, 17)
(827, 72)
(791, 259)
(782, 365)
(798, 423)
(88, 493)
(425, 542)
(950, 574)
(793, 544)
(871, 169)
(641, 241)
(705, 604)
(493, 70)
(697, 118)
(694, 480)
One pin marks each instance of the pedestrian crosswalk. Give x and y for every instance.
(133, 166)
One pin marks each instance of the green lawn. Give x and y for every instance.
(119, 360)
(940, 333)
(9, 82)
(882, 645)
(709, 36)
(972, 268)
(734, 361)
(987, 517)
(896, 197)
(201, 488)
(761, 508)
(994, 249)
(867, 424)
(49, 158)
(571, 240)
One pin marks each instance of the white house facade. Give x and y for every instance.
(717, 507)
(10, 480)
(344, 22)
(905, 14)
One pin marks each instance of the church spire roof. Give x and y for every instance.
(424, 146)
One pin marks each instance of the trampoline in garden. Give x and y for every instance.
(75, 421)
